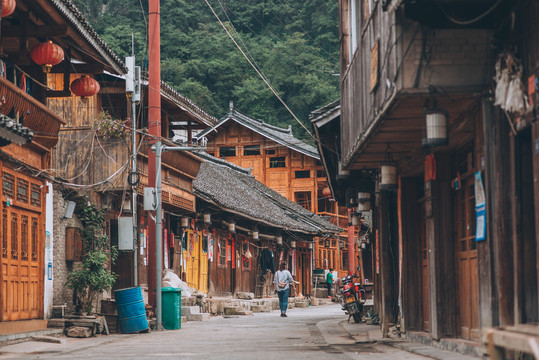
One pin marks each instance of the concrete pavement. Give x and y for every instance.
(319, 332)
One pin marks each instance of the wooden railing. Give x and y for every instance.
(33, 113)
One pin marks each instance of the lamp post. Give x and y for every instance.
(158, 148)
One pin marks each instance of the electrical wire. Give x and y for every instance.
(258, 72)
(471, 21)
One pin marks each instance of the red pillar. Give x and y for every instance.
(351, 247)
(154, 127)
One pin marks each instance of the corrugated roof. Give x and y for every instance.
(234, 189)
(275, 133)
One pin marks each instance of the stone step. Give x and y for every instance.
(260, 308)
(302, 304)
(190, 310)
(198, 317)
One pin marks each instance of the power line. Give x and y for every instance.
(258, 72)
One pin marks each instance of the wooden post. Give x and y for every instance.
(535, 159)
(388, 260)
(442, 283)
(154, 128)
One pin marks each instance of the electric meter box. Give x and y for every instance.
(125, 233)
(150, 199)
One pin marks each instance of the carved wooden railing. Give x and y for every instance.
(32, 113)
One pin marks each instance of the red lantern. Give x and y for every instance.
(85, 87)
(8, 7)
(326, 191)
(47, 55)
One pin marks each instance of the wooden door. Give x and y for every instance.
(203, 262)
(425, 297)
(22, 266)
(466, 256)
(192, 259)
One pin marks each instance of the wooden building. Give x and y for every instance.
(455, 233)
(30, 131)
(286, 165)
(246, 224)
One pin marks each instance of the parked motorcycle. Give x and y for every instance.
(352, 298)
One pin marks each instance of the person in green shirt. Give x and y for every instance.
(329, 281)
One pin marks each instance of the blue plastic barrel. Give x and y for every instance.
(131, 310)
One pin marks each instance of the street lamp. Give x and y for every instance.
(158, 148)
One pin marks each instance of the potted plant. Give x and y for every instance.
(110, 128)
(93, 276)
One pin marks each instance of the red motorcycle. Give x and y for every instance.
(352, 298)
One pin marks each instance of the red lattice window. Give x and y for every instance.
(35, 195)
(8, 185)
(14, 236)
(34, 239)
(24, 237)
(22, 190)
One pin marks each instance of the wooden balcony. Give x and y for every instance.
(17, 104)
(396, 67)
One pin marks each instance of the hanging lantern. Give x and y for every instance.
(207, 218)
(185, 222)
(85, 87)
(326, 191)
(436, 128)
(47, 55)
(388, 173)
(254, 233)
(355, 220)
(292, 244)
(8, 7)
(232, 227)
(363, 201)
(279, 239)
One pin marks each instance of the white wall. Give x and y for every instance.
(49, 242)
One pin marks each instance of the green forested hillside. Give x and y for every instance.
(294, 44)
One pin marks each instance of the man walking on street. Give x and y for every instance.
(329, 281)
(282, 280)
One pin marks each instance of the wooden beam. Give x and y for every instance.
(94, 68)
(40, 31)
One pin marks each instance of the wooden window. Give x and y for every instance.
(222, 252)
(24, 237)
(22, 190)
(278, 162)
(35, 195)
(270, 152)
(73, 244)
(226, 151)
(4, 233)
(245, 261)
(302, 174)
(34, 239)
(303, 198)
(251, 150)
(8, 185)
(320, 173)
(344, 260)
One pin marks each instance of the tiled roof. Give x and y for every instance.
(73, 15)
(235, 190)
(277, 134)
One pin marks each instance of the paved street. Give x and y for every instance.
(313, 333)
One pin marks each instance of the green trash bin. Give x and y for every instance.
(171, 307)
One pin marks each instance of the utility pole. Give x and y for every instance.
(132, 89)
(154, 129)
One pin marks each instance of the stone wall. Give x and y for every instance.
(62, 294)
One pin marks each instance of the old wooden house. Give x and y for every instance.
(247, 222)
(449, 156)
(35, 37)
(288, 166)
